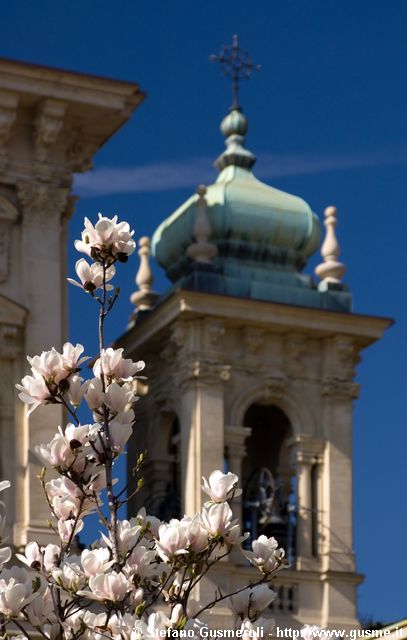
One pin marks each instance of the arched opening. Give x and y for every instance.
(165, 497)
(268, 478)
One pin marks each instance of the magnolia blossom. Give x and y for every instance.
(140, 562)
(76, 390)
(118, 397)
(54, 366)
(95, 396)
(251, 600)
(34, 391)
(221, 486)
(108, 238)
(95, 561)
(261, 628)
(91, 276)
(112, 365)
(217, 520)
(128, 534)
(68, 528)
(310, 632)
(172, 540)
(151, 523)
(266, 554)
(40, 609)
(69, 575)
(15, 591)
(32, 556)
(107, 586)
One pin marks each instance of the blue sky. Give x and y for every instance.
(327, 118)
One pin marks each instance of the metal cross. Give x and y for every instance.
(236, 64)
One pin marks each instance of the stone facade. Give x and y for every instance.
(210, 359)
(51, 124)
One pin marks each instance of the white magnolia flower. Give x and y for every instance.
(217, 519)
(76, 390)
(32, 556)
(172, 540)
(69, 575)
(57, 453)
(108, 238)
(34, 391)
(140, 562)
(114, 366)
(71, 356)
(251, 600)
(95, 396)
(128, 534)
(266, 554)
(151, 523)
(51, 557)
(118, 397)
(221, 486)
(197, 535)
(15, 591)
(40, 609)
(310, 632)
(68, 528)
(108, 586)
(91, 276)
(264, 625)
(95, 561)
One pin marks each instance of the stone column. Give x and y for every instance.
(44, 290)
(308, 451)
(201, 422)
(235, 438)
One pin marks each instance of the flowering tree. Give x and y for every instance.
(139, 579)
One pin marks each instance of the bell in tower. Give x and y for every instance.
(251, 367)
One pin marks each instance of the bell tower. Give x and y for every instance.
(251, 368)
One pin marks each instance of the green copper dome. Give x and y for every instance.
(263, 236)
(251, 222)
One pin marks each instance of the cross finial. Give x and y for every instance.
(236, 64)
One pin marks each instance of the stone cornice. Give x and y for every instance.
(340, 389)
(239, 312)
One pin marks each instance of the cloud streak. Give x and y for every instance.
(167, 176)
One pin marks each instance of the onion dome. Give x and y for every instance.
(263, 236)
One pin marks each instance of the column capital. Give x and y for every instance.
(42, 205)
(202, 372)
(235, 436)
(307, 450)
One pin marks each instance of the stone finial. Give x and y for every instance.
(145, 298)
(202, 250)
(330, 270)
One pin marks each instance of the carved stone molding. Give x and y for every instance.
(8, 215)
(203, 372)
(341, 358)
(80, 150)
(47, 127)
(295, 347)
(42, 205)
(340, 390)
(8, 114)
(10, 341)
(274, 388)
(214, 332)
(253, 340)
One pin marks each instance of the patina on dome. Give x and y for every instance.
(261, 233)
